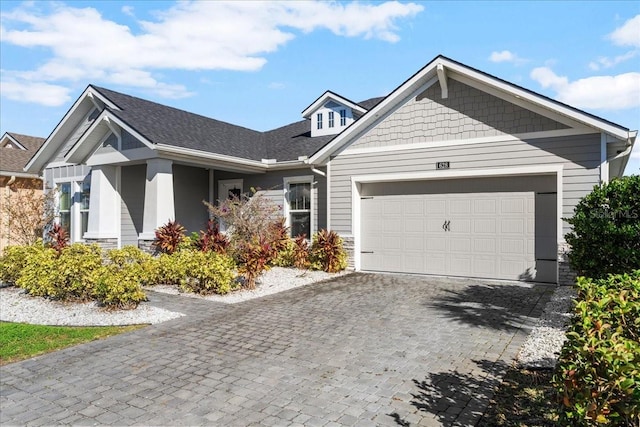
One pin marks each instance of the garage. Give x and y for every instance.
(486, 228)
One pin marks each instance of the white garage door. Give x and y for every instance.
(486, 235)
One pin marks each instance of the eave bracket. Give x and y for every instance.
(442, 78)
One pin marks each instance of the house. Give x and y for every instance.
(15, 183)
(455, 172)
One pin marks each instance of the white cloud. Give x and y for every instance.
(617, 92)
(606, 62)
(39, 93)
(506, 56)
(190, 35)
(628, 34)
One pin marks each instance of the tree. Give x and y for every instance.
(28, 211)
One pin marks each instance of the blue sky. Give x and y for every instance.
(260, 64)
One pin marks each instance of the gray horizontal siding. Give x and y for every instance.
(580, 156)
(271, 185)
(190, 188)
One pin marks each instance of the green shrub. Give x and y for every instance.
(327, 252)
(132, 256)
(197, 271)
(598, 375)
(68, 275)
(14, 259)
(606, 229)
(119, 286)
(285, 256)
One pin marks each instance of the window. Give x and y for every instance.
(343, 117)
(330, 119)
(64, 205)
(73, 207)
(319, 119)
(299, 205)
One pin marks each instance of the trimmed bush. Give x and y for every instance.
(598, 375)
(14, 260)
(119, 286)
(606, 229)
(68, 275)
(197, 271)
(130, 257)
(327, 252)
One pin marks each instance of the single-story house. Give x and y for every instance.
(456, 172)
(15, 183)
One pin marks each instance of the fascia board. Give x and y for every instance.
(327, 96)
(52, 144)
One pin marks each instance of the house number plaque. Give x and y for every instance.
(442, 165)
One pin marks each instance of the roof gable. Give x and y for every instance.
(439, 70)
(13, 159)
(329, 96)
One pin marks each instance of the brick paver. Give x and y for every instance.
(358, 350)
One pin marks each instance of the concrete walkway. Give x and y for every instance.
(358, 350)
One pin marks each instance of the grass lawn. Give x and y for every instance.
(524, 399)
(20, 341)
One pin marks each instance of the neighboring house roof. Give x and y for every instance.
(438, 71)
(13, 159)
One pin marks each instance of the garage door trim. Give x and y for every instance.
(356, 182)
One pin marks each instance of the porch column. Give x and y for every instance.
(104, 206)
(158, 197)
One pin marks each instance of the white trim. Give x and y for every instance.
(328, 202)
(357, 181)
(10, 137)
(304, 179)
(20, 174)
(203, 155)
(442, 78)
(488, 84)
(211, 186)
(223, 187)
(604, 163)
(35, 160)
(76, 155)
(522, 137)
(322, 99)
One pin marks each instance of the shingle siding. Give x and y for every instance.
(467, 113)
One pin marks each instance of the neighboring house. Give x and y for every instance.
(456, 172)
(15, 152)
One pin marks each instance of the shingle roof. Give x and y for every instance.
(368, 104)
(161, 124)
(14, 159)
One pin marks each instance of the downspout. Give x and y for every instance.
(11, 180)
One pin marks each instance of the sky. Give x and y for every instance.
(260, 64)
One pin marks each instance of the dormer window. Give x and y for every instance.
(319, 118)
(330, 119)
(343, 117)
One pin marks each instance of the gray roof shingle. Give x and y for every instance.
(162, 124)
(15, 159)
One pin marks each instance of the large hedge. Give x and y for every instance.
(606, 229)
(598, 374)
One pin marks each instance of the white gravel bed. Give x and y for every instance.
(542, 347)
(17, 306)
(275, 280)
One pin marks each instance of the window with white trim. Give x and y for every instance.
(299, 205)
(319, 120)
(343, 117)
(330, 119)
(73, 207)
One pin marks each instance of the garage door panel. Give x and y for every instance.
(489, 235)
(484, 207)
(414, 225)
(484, 246)
(484, 225)
(460, 207)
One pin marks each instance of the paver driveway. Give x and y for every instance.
(358, 350)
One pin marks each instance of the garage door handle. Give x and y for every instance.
(446, 225)
(366, 252)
